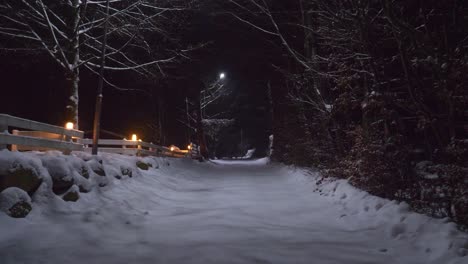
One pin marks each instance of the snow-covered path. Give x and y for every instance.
(227, 213)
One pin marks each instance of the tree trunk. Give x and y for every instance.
(72, 82)
(162, 138)
(200, 131)
(72, 76)
(201, 137)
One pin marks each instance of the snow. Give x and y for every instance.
(214, 126)
(14, 160)
(11, 161)
(10, 196)
(422, 169)
(270, 145)
(57, 165)
(249, 154)
(262, 161)
(225, 212)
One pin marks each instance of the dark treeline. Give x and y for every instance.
(374, 91)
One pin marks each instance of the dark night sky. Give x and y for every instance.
(31, 85)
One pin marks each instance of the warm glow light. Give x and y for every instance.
(134, 137)
(172, 148)
(69, 125)
(222, 75)
(189, 147)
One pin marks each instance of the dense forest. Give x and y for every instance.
(374, 91)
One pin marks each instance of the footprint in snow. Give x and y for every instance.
(378, 206)
(397, 230)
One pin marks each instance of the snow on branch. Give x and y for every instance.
(71, 31)
(212, 127)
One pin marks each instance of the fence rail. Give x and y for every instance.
(13, 121)
(138, 148)
(43, 136)
(48, 137)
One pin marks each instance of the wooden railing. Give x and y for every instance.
(129, 147)
(195, 151)
(42, 137)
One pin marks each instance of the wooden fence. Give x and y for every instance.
(42, 137)
(137, 148)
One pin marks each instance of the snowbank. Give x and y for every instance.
(49, 176)
(439, 238)
(183, 211)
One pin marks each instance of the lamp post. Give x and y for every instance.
(99, 96)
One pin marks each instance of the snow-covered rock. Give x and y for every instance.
(143, 165)
(20, 170)
(59, 169)
(15, 202)
(97, 165)
(72, 195)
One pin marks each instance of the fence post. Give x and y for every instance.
(3, 128)
(14, 147)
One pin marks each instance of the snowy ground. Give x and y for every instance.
(227, 212)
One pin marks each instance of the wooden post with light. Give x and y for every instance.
(68, 126)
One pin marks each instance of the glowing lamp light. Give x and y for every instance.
(134, 137)
(189, 147)
(172, 148)
(222, 75)
(69, 126)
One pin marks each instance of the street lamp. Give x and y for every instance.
(222, 76)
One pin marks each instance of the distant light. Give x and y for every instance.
(134, 137)
(189, 147)
(222, 75)
(172, 148)
(69, 126)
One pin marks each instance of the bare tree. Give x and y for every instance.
(202, 120)
(71, 32)
(259, 15)
(211, 94)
